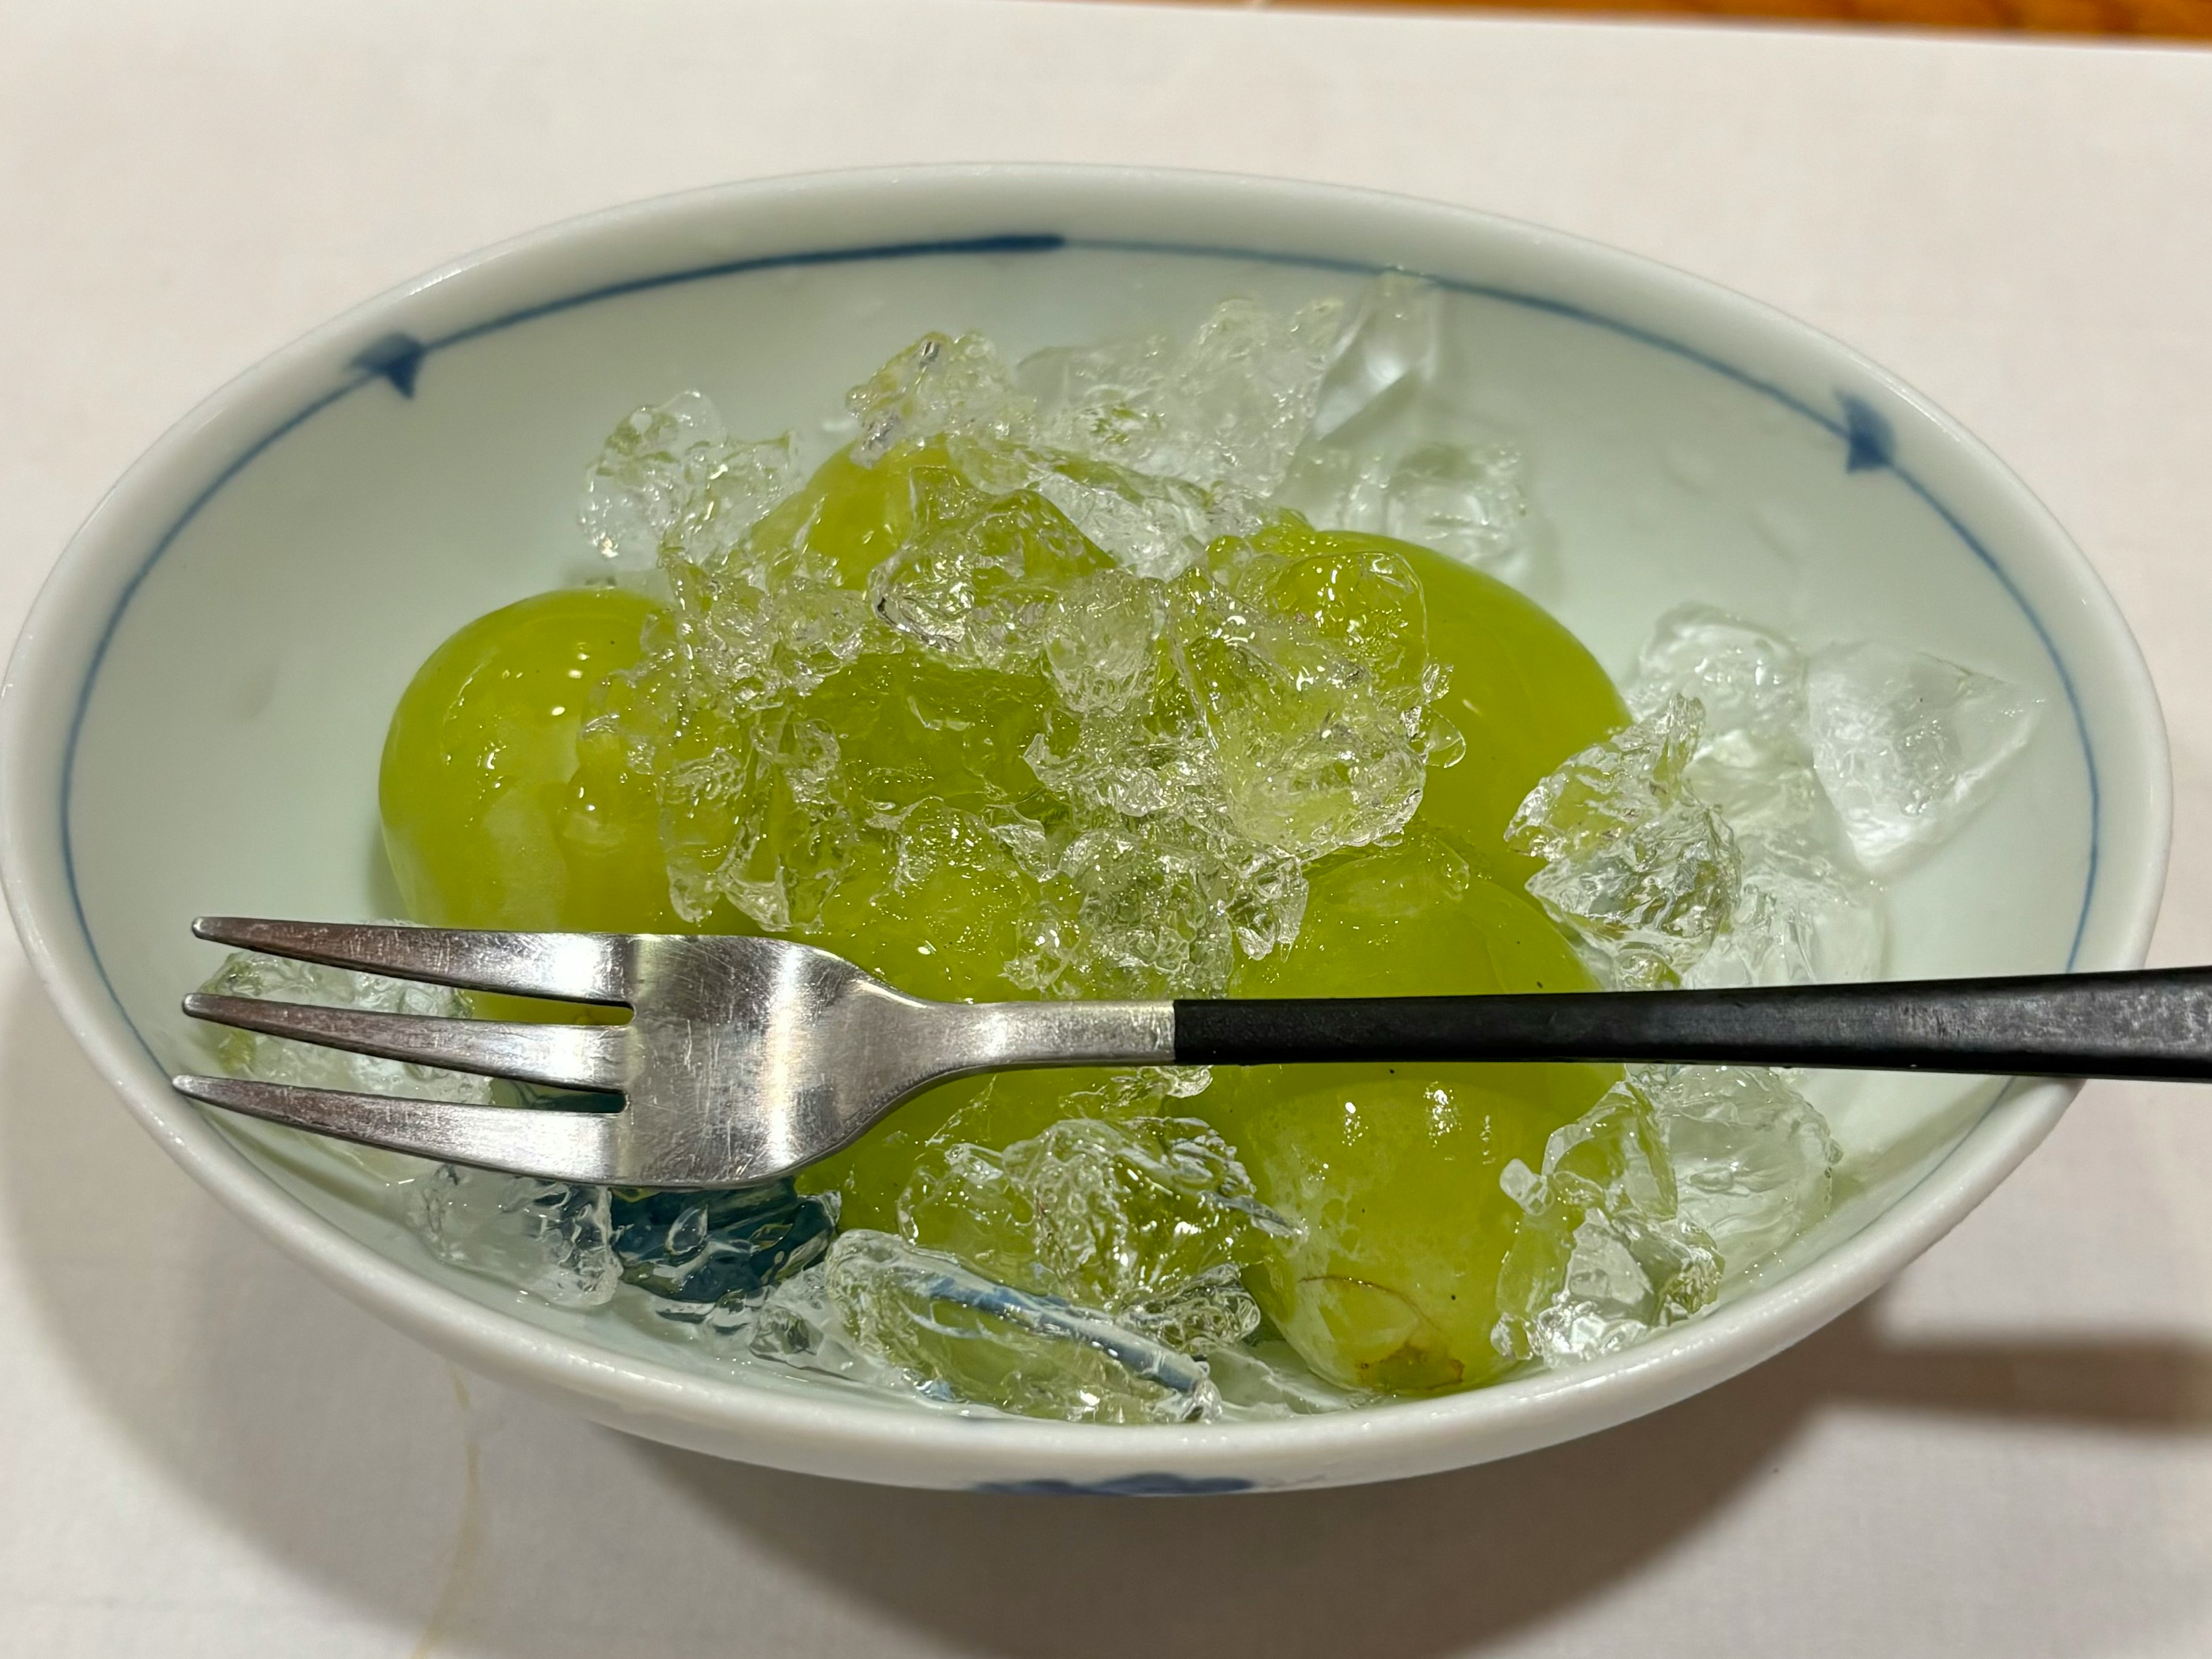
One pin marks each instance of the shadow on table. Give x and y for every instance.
(1439, 1563)
(256, 1402)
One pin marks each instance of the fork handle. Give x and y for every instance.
(2155, 1024)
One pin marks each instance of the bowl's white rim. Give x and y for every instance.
(842, 1436)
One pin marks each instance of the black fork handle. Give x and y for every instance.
(2155, 1023)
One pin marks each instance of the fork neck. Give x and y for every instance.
(1001, 1036)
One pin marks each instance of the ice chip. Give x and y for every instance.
(1211, 1313)
(1155, 906)
(1466, 503)
(1642, 872)
(738, 490)
(1768, 791)
(1265, 901)
(1234, 403)
(1099, 640)
(1602, 1257)
(549, 1237)
(1156, 527)
(1799, 919)
(1909, 745)
(794, 1324)
(1102, 403)
(1391, 340)
(760, 825)
(815, 632)
(1313, 755)
(1138, 907)
(1806, 910)
(949, 597)
(956, 1333)
(1116, 760)
(1113, 1214)
(671, 479)
(1312, 760)
(645, 478)
(1223, 411)
(1333, 487)
(700, 1250)
(309, 1065)
(1750, 680)
(1364, 602)
(940, 386)
(1751, 1159)
(976, 578)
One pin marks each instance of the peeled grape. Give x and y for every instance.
(1392, 1171)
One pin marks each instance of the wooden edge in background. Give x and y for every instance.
(2172, 20)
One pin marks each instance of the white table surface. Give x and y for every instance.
(2007, 1454)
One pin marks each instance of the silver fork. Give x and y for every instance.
(746, 1059)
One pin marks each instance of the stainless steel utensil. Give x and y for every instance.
(744, 1059)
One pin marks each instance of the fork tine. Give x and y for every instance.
(572, 967)
(556, 1145)
(565, 1056)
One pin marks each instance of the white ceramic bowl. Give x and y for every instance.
(193, 714)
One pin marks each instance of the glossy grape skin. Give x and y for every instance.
(493, 815)
(1524, 693)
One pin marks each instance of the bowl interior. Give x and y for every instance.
(419, 465)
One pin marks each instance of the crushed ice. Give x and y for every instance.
(1371, 460)
(1907, 745)
(1098, 518)
(1096, 525)
(1732, 835)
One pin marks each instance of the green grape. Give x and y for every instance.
(1524, 693)
(987, 1111)
(497, 813)
(1392, 1171)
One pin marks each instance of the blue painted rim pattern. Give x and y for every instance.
(1149, 1483)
